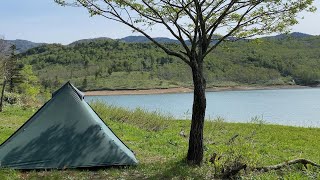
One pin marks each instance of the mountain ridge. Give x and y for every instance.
(290, 35)
(24, 45)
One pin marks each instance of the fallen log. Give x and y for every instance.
(235, 169)
(287, 163)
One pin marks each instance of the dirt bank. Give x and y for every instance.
(185, 90)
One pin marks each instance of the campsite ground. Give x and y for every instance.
(160, 145)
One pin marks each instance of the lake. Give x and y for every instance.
(296, 107)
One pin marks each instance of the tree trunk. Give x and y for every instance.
(2, 94)
(195, 151)
(11, 85)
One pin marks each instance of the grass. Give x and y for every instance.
(153, 121)
(161, 150)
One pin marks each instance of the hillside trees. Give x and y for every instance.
(199, 22)
(17, 77)
(269, 62)
(10, 68)
(29, 85)
(4, 61)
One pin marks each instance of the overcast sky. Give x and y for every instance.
(45, 21)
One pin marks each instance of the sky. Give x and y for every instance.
(45, 21)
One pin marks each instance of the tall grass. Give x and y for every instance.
(151, 121)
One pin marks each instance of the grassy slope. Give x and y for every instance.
(161, 150)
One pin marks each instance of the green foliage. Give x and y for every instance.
(30, 86)
(10, 72)
(9, 174)
(12, 98)
(13, 69)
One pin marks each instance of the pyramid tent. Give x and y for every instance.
(64, 133)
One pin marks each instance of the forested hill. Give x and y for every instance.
(114, 64)
(23, 45)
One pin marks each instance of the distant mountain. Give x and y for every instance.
(88, 40)
(23, 45)
(143, 39)
(128, 39)
(290, 35)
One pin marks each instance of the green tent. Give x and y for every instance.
(64, 133)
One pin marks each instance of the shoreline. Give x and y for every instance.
(186, 90)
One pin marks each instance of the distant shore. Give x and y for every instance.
(186, 90)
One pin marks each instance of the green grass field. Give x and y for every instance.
(160, 149)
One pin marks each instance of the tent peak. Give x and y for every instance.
(69, 85)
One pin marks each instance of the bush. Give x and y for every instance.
(12, 98)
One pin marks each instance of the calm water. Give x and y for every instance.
(297, 107)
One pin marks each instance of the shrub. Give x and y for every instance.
(12, 98)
